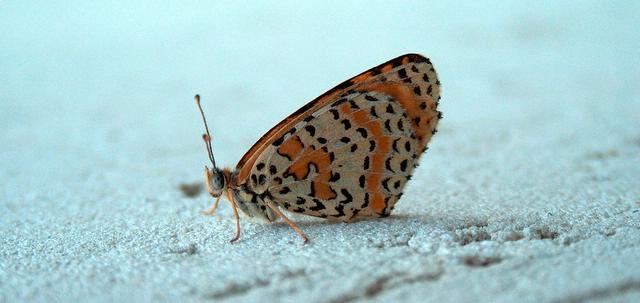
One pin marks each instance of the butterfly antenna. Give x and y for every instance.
(206, 137)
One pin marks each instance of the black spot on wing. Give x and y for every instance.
(346, 123)
(312, 193)
(285, 190)
(318, 205)
(400, 125)
(373, 112)
(335, 113)
(403, 165)
(363, 132)
(372, 145)
(311, 130)
(390, 109)
(354, 213)
(340, 209)
(300, 200)
(396, 184)
(366, 201)
(387, 125)
(395, 145)
(334, 177)
(279, 141)
(385, 184)
(402, 73)
(343, 100)
(347, 196)
(387, 164)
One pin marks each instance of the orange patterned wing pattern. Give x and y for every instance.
(349, 153)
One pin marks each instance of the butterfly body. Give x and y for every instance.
(345, 155)
(222, 183)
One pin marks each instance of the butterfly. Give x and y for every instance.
(346, 155)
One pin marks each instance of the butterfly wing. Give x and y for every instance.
(349, 153)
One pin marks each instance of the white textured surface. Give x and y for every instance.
(529, 192)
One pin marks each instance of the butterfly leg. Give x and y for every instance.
(211, 209)
(237, 217)
(292, 224)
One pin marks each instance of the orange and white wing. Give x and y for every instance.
(349, 153)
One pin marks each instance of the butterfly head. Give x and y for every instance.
(216, 181)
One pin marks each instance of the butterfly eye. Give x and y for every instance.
(218, 180)
(215, 181)
(206, 137)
